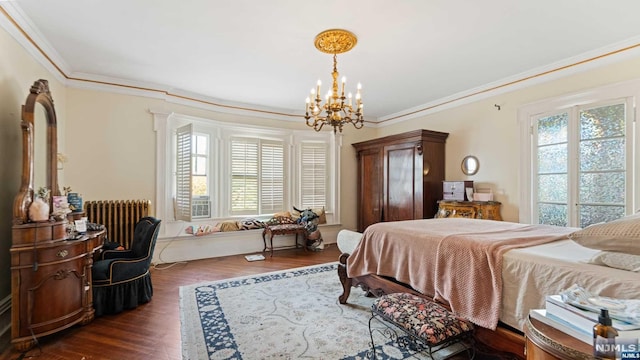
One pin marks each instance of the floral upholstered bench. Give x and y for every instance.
(427, 327)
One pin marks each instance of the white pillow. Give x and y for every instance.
(622, 235)
(617, 260)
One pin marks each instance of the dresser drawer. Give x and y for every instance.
(52, 254)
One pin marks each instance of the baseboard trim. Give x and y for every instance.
(186, 248)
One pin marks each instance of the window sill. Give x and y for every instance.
(176, 230)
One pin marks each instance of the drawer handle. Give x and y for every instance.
(62, 253)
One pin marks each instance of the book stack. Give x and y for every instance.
(578, 322)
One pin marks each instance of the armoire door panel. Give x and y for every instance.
(432, 177)
(370, 190)
(399, 182)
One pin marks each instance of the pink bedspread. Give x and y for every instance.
(456, 261)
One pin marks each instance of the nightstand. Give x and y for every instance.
(544, 342)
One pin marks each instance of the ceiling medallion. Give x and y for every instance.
(335, 41)
(337, 111)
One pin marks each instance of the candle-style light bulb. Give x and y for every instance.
(307, 101)
(350, 96)
(344, 81)
(318, 87)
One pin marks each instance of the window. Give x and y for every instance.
(218, 170)
(257, 176)
(313, 175)
(244, 177)
(599, 167)
(271, 177)
(192, 179)
(580, 161)
(200, 200)
(200, 155)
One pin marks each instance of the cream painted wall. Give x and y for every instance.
(111, 146)
(18, 71)
(110, 141)
(492, 135)
(478, 128)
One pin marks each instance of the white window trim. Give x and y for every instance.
(164, 122)
(624, 90)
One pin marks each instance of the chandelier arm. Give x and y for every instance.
(308, 123)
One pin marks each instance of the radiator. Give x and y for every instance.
(118, 216)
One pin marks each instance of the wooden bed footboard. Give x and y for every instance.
(502, 339)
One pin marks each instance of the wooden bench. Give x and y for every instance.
(283, 229)
(420, 325)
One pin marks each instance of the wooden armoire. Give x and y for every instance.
(400, 176)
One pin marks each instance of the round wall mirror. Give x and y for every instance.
(470, 165)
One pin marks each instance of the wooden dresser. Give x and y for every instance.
(51, 280)
(488, 210)
(400, 176)
(50, 271)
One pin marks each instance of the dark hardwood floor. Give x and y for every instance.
(152, 331)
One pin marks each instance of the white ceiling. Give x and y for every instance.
(410, 54)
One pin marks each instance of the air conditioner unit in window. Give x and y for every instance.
(200, 207)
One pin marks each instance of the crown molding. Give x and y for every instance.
(26, 34)
(18, 25)
(586, 61)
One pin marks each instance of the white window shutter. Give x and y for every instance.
(271, 177)
(244, 176)
(183, 173)
(313, 187)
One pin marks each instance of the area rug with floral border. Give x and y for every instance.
(291, 314)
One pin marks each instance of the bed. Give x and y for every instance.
(490, 272)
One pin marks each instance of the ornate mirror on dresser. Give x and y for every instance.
(50, 271)
(39, 149)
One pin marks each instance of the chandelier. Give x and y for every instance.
(337, 109)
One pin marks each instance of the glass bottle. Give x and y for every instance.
(604, 342)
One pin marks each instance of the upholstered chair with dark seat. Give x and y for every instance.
(121, 278)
